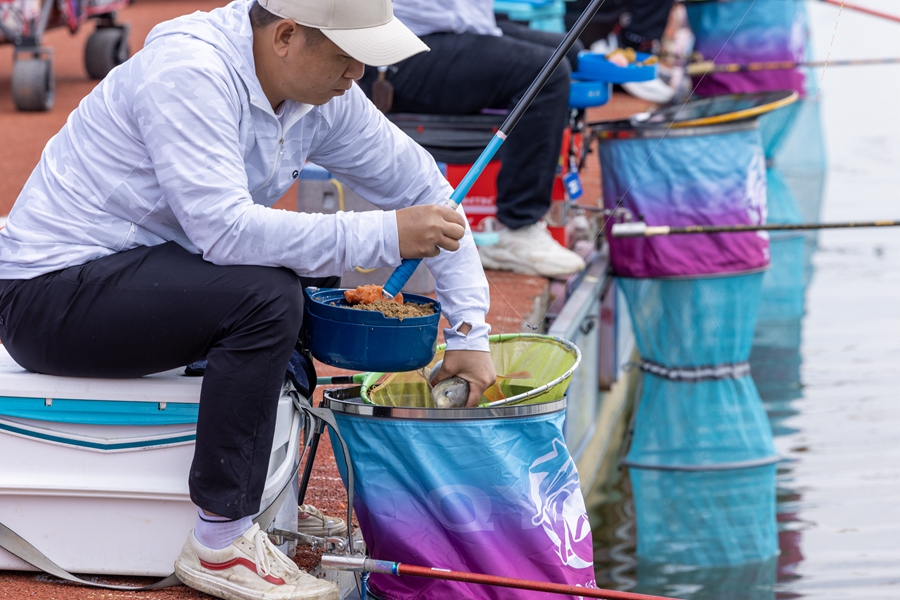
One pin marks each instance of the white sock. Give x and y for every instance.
(218, 532)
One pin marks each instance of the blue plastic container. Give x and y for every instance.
(596, 67)
(541, 15)
(363, 340)
(585, 93)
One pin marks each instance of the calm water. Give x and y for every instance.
(830, 379)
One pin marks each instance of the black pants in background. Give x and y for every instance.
(648, 21)
(466, 73)
(151, 309)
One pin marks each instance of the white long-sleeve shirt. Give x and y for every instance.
(180, 144)
(448, 16)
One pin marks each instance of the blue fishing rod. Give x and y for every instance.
(402, 273)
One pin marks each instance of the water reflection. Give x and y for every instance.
(796, 188)
(796, 184)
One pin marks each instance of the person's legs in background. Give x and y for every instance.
(648, 21)
(525, 246)
(643, 33)
(549, 39)
(157, 308)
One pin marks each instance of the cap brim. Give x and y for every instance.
(386, 44)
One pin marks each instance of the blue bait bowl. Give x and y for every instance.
(585, 93)
(366, 340)
(595, 66)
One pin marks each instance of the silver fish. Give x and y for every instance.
(451, 393)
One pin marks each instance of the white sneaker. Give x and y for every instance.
(311, 521)
(531, 251)
(655, 90)
(251, 568)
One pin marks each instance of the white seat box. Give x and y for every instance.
(94, 472)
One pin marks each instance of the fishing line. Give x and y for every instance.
(830, 46)
(863, 9)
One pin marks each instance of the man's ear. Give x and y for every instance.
(282, 34)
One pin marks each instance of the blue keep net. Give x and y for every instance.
(706, 435)
(709, 175)
(796, 180)
(784, 284)
(691, 323)
(743, 31)
(489, 494)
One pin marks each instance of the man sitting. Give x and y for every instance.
(144, 240)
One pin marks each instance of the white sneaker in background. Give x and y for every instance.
(605, 45)
(531, 251)
(311, 521)
(655, 90)
(251, 568)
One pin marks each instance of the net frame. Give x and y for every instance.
(551, 390)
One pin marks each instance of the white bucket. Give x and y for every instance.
(112, 498)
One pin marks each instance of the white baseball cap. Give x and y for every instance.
(365, 29)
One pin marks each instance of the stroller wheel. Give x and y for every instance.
(106, 49)
(33, 86)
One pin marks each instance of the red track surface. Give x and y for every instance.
(22, 138)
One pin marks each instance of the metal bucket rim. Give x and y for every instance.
(626, 131)
(347, 406)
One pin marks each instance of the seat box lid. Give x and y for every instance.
(163, 398)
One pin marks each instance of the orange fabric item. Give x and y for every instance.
(367, 294)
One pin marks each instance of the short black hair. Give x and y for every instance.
(260, 18)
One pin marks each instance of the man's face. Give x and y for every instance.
(314, 73)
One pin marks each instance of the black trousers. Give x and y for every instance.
(466, 73)
(151, 309)
(648, 21)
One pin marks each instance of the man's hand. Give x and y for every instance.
(474, 366)
(423, 230)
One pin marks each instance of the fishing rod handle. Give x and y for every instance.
(408, 266)
(400, 276)
(341, 379)
(346, 562)
(638, 229)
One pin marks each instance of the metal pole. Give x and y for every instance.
(641, 229)
(310, 459)
(342, 379)
(368, 565)
(705, 67)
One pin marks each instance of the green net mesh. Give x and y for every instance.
(531, 369)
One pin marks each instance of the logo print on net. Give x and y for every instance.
(559, 506)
